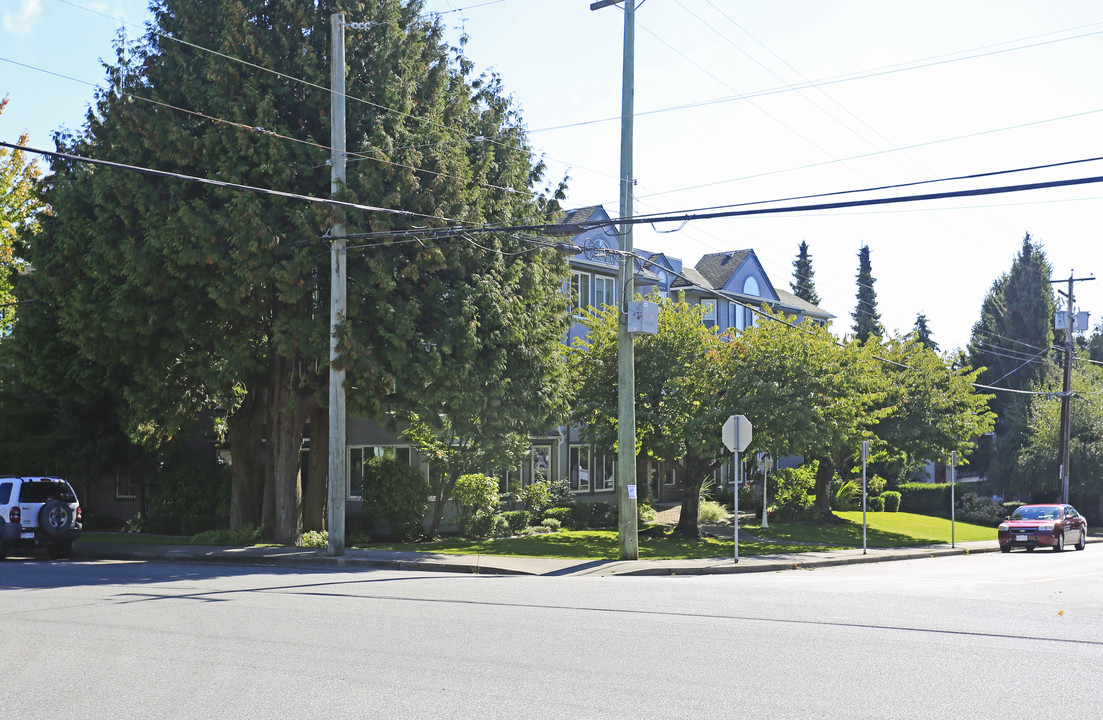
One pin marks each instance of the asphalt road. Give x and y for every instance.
(980, 636)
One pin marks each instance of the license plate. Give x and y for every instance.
(27, 535)
(1020, 538)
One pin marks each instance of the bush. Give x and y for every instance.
(482, 525)
(315, 539)
(926, 498)
(587, 515)
(476, 493)
(397, 495)
(644, 512)
(246, 536)
(536, 496)
(875, 485)
(551, 524)
(562, 514)
(188, 495)
(1010, 506)
(892, 500)
(847, 495)
(711, 512)
(875, 503)
(517, 521)
(791, 493)
(972, 508)
(559, 494)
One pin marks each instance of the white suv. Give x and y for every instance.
(38, 511)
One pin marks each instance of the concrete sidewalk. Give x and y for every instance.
(293, 557)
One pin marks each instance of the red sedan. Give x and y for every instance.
(1050, 525)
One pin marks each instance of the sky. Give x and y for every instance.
(754, 100)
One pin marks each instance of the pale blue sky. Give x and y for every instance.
(987, 65)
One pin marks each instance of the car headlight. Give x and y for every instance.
(1048, 527)
(1003, 527)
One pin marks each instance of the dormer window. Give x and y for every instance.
(750, 287)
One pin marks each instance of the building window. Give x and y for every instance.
(125, 487)
(605, 291)
(709, 315)
(358, 458)
(750, 287)
(580, 290)
(509, 481)
(604, 472)
(541, 463)
(668, 476)
(579, 469)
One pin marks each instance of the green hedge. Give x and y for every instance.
(892, 500)
(926, 498)
(875, 503)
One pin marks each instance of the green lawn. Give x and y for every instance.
(594, 544)
(884, 529)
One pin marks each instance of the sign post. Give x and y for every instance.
(953, 501)
(767, 464)
(865, 455)
(736, 435)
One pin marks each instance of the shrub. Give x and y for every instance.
(396, 494)
(559, 494)
(791, 492)
(536, 496)
(551, 524)
(315, 539)
(562, 514)
(644, 512)
(1010, 506)
(847, 495)
(517, 521)
(476, 493)
(188, 495)
(892, 500)
(875, 485)
(711, 512)
(246, 536)
(972, 508)
(482, 525)
(586, 515)
(875, 503)
(926, 498)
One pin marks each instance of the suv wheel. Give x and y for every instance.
(55, 517)
(60, 550)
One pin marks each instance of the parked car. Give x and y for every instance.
(38, 512)
(1031, 526)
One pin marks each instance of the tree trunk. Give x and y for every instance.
(246, 436)
(825, 473)
(644, 491)
(688, 526)
(443, 495)
(288, 410)
(316, 492)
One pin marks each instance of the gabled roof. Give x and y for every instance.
(790, 300)
(580, 215)
(691, 278)
(719, 267)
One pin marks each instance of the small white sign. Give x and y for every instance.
(631, 492)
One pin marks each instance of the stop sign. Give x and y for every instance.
(736, 433)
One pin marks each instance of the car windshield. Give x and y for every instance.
(37, 492)
(1045, 512)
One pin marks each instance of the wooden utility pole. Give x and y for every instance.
(338, 300)
(1066, 389)
(627, 525)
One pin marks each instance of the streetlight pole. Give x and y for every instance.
(338, 299)
(627, 526)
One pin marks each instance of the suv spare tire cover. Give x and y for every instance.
(55, 517)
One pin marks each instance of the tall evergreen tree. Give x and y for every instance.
(804, 284)
(214, 298)
(867, 321)
(923, 332)
(1012, 341)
